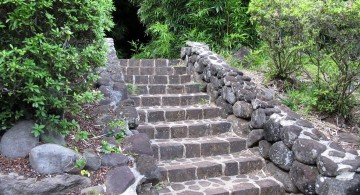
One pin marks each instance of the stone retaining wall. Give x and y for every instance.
(298, 155)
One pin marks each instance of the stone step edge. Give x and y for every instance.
(181, 148)
(209, 167)
(171, 108)
(185, 129)
(255, 183)
(170, 95)
(151, 62)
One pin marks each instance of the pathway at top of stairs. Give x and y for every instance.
(197, 150)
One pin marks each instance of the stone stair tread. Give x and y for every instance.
(170, 95)
(164, 108)
(180, 170)
(255, 183)
(221, 137)
(186, 122)
(219, 159)
(185, 129)
(140, 70)
(210, 145)
(167, 88)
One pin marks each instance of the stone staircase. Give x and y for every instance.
(197, 150)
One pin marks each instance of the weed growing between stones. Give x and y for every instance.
(132, 89)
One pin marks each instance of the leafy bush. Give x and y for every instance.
(222, 24)
(49, 50)
(320, 38)
(279, 27)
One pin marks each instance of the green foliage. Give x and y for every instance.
(132, 89)
(278, 27)
(320, 38)
(80, 163)
(222, 24)
(82, 135)
(108, 148)
(49, 50)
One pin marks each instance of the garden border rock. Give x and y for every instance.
(233, 90)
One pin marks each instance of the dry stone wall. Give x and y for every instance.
(298, 155)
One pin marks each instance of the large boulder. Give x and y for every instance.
(147, 166)
(114, 160)
(139, 144)
(254, 137)
(242, 109)
(281, 155)
(282, 176)
(344, 184)
(289, 134)
(307, 150)
(258, 118)
(118, 180)
(53, 158)
(59, 184)
(93, 161)
(304, 177)
(18, 141)
(272, 130)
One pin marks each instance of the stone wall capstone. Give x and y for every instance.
(287, 141)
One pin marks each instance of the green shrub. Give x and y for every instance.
(279, 27)
(320, 38)
(221, 24)
(49, 50)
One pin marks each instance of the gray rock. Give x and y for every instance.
(245, 95)
(270, 111)
(139, 144)
(53, 158)
(281, 155)
(307, 151)
(304, 177)
(226, 108)
(272, 130)
(240, 126)
(212, 91)
(256, 103)
(50, 136)
(289, 134)
(229, 95)
(258, 118)
(254, 137)
(114, 160)
(93, 190)
(242, 109)
(130, 113)
(118, 180)
(105, 90)
(350, 185)
(18, 141)
(327, 167)
(264, 148)
(93, 161)
(304, 123)
(291, 115)
(147, 166)
(13, 184)
(282, 176)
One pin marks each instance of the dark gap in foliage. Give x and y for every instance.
(127, 28)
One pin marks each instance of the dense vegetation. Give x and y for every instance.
(313, 44)
(49, 50)
(222, 24)
(317, 41)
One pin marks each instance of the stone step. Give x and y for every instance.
(157, 79)
(185, 129)
(250, 184)
(141, 89)
(140, 70)
(207, 167)
(226, 143)
(150, 62)
(177, 113)
(171, 99)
